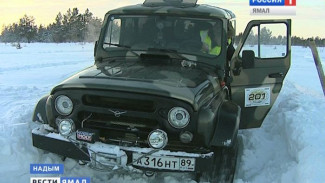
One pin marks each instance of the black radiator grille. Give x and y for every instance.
(119, 103)
(131, 131)
(116, 127)
(139, 115)
(123, 120)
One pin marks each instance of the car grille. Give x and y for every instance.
(119, 103)
(139, 115)
(116, 127)
(128, 119)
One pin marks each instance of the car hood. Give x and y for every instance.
(191, 85)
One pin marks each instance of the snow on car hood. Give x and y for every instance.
(186, 84)
(166, 74)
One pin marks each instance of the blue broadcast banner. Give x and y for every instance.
(46, 169)
(75, 180)
(267, 2)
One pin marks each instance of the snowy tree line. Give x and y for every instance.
(72, 26)
(267, 38)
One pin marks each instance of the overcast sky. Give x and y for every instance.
(309, 20)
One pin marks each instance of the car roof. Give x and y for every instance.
(152, 7)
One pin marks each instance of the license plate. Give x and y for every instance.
(164, 162)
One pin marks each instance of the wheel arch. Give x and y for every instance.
(227, 120)
(40, 111)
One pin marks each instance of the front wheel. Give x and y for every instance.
(224, 164)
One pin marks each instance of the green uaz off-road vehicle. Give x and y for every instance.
(168, 91)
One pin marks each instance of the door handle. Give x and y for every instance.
(276, 75)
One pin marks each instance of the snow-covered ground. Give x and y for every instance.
(288, 148)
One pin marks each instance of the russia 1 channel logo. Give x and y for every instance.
(272, 7)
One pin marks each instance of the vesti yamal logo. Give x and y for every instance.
(272, 7)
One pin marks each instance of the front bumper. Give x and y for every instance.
(106, 156)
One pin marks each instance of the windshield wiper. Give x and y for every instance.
(123, 46)
(118, 45)
(185, 61)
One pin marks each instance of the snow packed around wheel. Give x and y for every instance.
(288, 148)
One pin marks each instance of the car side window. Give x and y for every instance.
(113, 33)
(267, 41)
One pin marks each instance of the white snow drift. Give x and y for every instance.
(288, 148)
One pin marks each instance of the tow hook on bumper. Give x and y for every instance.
(102, 160)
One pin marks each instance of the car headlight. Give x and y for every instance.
(66, 127)
(63, 105)
(178, 117)
(157, 139)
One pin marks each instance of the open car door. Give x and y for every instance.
(258, 68)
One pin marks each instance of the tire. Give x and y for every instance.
(224, 164)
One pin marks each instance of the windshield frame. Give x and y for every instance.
(204, 58)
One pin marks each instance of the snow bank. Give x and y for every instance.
(288, 148)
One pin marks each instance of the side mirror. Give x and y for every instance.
(248, 57)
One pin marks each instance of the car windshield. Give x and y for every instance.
(193, 36)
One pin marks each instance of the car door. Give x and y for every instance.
(258, 68)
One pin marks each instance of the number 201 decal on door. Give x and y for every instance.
(257, 97)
